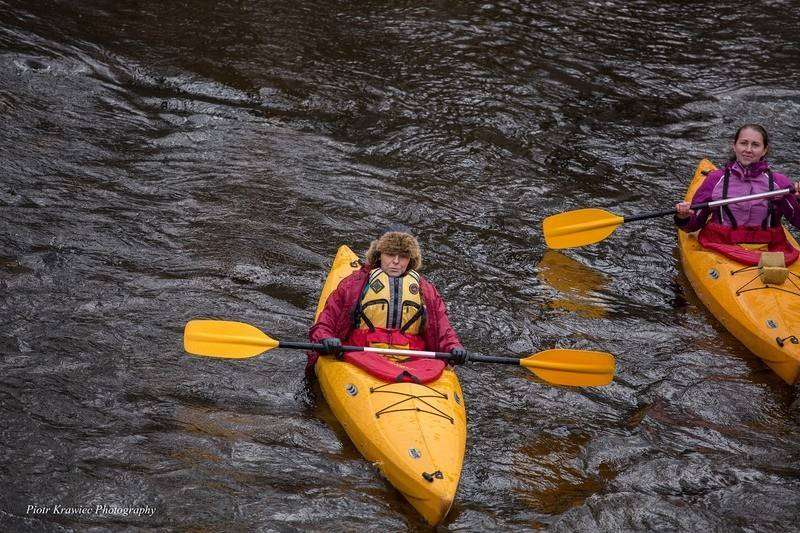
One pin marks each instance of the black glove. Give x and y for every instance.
(459, 356)
(332, 346)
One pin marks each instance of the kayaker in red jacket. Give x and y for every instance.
(387, 303)
(757, 221)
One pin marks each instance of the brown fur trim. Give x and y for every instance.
(395, 242)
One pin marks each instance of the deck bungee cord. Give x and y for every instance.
(409, 397)
(742, 289)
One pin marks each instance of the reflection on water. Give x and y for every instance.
(579, 287)
(561, 481)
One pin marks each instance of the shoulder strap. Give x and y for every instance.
(725, 209)
(358, 312)
(770, 220)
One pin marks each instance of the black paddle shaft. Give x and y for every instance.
(661, 213)
(493, 359)
(315, 347)
(666, 212)
(438, 355)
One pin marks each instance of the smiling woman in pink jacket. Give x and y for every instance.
(757, 221)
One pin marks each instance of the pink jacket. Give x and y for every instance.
(742, 181)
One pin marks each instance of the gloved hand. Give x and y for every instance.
(682, 210)
(459, 356)
(331, 346)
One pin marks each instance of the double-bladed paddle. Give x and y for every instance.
(588, 226)
(237, 340)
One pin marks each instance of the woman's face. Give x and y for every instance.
(394, 264)
(749, 147)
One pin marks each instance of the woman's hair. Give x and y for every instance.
(757, 127)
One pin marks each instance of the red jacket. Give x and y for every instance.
(336, 319)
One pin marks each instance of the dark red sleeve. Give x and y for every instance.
(439, 334)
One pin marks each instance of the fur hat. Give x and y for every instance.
(395, 242)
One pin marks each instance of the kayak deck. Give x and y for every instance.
(415, 434)
(765, 318)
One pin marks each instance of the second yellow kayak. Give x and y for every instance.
(764, 317)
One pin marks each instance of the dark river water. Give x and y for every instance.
(163, 161)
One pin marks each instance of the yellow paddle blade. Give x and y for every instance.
(577, 368)
(579, 227)
(228, 340)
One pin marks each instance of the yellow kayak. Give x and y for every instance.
(764, 317)
(415, 434)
